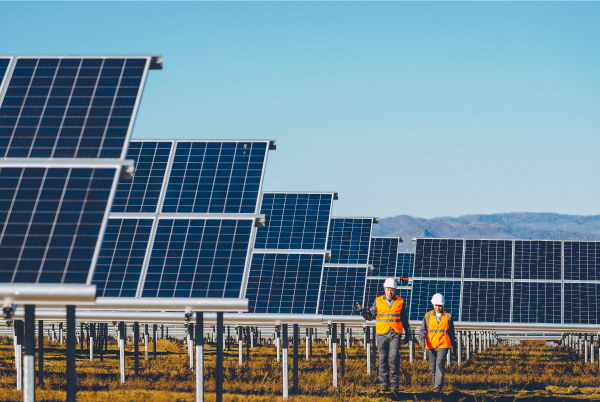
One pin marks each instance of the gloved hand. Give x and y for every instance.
(357, 307)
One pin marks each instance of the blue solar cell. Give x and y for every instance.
(349, 240)
(488, 259)
(69, 108)
(50, 220)
(582, 303)
(294, 221)
(538, 302)
(486, 301)
(383, 256)
(537, 259)
(438, 258)
(215, 177)
(341, 287)
(420, 301)
(582, 260)
(121, 257)
(141, 194)
(374, 289)
(198, 258)
(284, 283)
(405, 265)
(3, 67)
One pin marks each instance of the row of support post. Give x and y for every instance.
(582, 344)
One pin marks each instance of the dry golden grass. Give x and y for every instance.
(529, 372)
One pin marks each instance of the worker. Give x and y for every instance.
(389, 311)
(437, 334)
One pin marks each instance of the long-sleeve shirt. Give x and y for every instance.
(371, 314)
(451, 334)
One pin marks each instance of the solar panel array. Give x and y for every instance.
(349, 240)
(54, 209)
(524, 281)
(202, 199)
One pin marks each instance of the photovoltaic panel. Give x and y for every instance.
(70, 107)
(405, 265)
(438, 258)
(284, 283)
(537, 302)
(488, 259)
(294, 221)
(582, 260)
(50, 222)
(3, 67)
(582, 303)
(422, 292)
(198, 258)
(349, 240)
(341, 287)
(486, 301)
(141, 194)
(121, 257)
(383, 256)
(536, 259)
(374, 289)
(215, 177)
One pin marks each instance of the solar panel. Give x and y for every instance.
(121, 257)
(488, 259)
(294, 221)
(384, 255)
(349, 240)
(581, 303)
(198, 258)
(374, 289)
(439, 258)
(582, 260)
(215, 177)
(142, 193)
(50, 222)
(70, 107)
(284, 283)
(537, 259)
(423, 290)
(405, 265)
(538, 302)
(341, 287)
(486, 301)
(3, 67)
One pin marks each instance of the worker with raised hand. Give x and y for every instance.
(389, 311)
(437, 334)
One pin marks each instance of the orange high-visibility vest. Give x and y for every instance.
(388, 317)
(437, 333)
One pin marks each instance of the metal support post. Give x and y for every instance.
(467, 344)
(307, 341)
(41, 352)
(81, 345)
(343, 351)
(154, 328)
(60, 333)
(29, 360)
(162, 331)
(410, 346)
(474, 338)
(71, 375)
(91, 342)
(284, 329)
(136, 351)
(219, 385)
(334, 347)
(295, 363)
(278, 342)
(18, 342)
(191, 344)
(448, 358)
(373, 347)
(592, 349)
(585, 347)
(200, 357)
(459, 351)
(122, 350)
(228, 338)
(241, 343)
(368, 346)
(146, 340)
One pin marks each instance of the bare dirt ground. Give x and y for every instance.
(530, 372)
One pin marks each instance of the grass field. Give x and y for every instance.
(529, 372)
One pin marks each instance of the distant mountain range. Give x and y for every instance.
(514, 225)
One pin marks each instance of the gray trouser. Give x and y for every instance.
(388, 345)
(437, 361)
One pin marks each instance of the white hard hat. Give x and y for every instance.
(390, 283)
(438, 298)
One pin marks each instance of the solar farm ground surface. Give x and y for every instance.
(531, 372)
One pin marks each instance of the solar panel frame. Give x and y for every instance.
(135, 106)
(405, 269)
(497, 307)
(533, 300)
(383, 255)
(423, 289)
(340, 300)
(439, 269)
(362, 256)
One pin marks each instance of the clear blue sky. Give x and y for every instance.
(425, 109)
